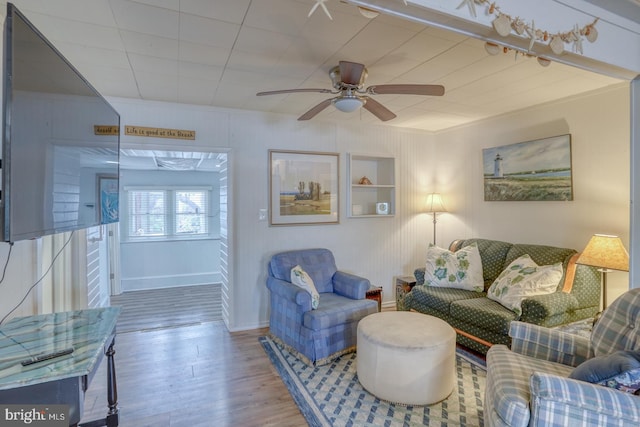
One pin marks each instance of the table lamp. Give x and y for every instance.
(608, 254)
(435, 206)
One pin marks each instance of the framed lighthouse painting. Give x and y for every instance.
(538, 170)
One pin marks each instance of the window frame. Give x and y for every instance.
(170, 214)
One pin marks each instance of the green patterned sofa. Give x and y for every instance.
(481, 322)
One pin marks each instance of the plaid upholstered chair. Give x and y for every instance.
(529, 385)
(318, 335)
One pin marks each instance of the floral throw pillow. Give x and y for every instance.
(461, 269)
(524, 278)
(301, 278)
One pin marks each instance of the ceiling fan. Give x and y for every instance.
(348, 83)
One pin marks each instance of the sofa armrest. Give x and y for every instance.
(290, 292)
(350, 285)
(555, 400)
(549, 344)
(535, 309)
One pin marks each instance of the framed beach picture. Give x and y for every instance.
(538, 170)
(303, 188)
(107, 198)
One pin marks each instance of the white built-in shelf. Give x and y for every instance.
(363, 200)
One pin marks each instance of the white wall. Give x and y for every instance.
(377, 248)
(599, 126)
(449, 162)
(181, 262)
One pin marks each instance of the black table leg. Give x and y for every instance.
(113, 416)
(112, 388)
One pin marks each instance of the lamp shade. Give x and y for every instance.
(435, 204)
(605, 251)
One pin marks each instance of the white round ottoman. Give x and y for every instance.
(405, 357)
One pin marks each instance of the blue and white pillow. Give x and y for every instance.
(461, 269)
(524, 278)
(301, 278)
(619, 370)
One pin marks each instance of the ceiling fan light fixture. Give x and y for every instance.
(348, 104)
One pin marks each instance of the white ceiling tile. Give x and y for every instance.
(205, 54)
(165, 4)
(195, 91)
(150, 64)
(223, 10)
(146, 19)
(197, 29)
(222, 52)
(202, 72)
(160, 87)
(284, 16)
(255, 40)
(145, 44)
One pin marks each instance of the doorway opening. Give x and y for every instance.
(172, 239)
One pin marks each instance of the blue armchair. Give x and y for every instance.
(317, 336)
(529, 385)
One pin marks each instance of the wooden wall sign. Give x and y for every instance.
(159, 132)
(106, 130)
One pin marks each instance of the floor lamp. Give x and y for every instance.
(608, 254)
(434, 207)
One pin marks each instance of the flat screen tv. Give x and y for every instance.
(60, 143)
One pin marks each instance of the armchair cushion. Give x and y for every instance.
(336, 310)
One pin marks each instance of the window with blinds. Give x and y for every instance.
(167, 213)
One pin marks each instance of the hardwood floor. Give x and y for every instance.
(200, 375)
(168, 307)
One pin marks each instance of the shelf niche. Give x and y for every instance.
(364, 198)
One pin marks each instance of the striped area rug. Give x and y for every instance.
(168, 307)
(331, 395)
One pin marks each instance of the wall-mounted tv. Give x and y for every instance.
(60, 143)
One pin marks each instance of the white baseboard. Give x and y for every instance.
(159, 282)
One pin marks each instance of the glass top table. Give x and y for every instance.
(90, 333)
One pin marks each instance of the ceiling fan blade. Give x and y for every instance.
(432, 90)
(315, 110)
(378, 110)
(277, 92)
(351, 72)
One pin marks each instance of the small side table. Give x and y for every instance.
(404, 284)
(375, 293)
